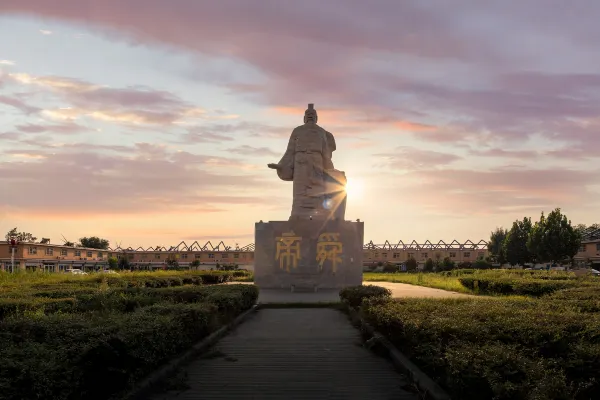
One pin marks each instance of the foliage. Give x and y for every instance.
(124, 263)
(94, 242)
(58, 332)
(354, 295)
(429, 265)
(515, 243)
(496, 245)
(411, 264)
(113, 262)
(446, 264)
(496, 348)
(389, 267)
(481, 264)
(553, 238)
(195, 264)
(25, 237)
(171, 261)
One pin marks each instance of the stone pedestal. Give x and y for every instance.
(308, 254)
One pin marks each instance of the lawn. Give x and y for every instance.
(489, 282)
(431, 280)
(544, 346)
(94, 336)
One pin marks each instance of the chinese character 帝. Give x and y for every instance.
(288, 250)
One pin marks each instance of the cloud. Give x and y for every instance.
(67, 128)
(410, 158)
(18, 104)
(144, 178)
(253, 151)
(134, 105)
(501, 190)
(45, 32)
(7, 62)
(196, 136)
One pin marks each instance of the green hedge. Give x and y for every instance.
(516, 286)
(496, 348)
(354, 295)
(99, 355)
(126, 300)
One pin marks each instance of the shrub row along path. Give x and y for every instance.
(301, 353)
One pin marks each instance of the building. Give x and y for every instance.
(51, 257)
(58, 258)
(589, 251)
(400, 252)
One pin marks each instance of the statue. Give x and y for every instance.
(318, 187)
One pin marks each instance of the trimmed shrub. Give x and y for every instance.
(354, 295)
(60, 356)
(517, 286)
(495, 348)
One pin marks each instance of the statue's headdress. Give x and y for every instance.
(310, 114)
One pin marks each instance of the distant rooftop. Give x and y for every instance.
(591, 234)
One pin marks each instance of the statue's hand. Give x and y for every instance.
(274, 166)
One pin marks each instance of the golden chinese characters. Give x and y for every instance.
(330, 248)
(288, 250)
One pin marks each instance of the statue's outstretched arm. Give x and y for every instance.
(285, 167)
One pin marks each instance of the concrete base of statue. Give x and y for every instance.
(304, 254)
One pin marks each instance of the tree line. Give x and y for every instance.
(91, 242)
(551, 239)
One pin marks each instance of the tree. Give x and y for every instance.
(429, 264)
(195, 264)
(411, 264)
(481, 264)
(94, 242)
(172, 261)
(496, 245)
(447, 264)
(124, 262)
(515, 244)
(553, 238)
(20, 236)
(113, 263)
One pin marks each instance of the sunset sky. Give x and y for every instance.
(149, 122)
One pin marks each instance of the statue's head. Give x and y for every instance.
(310, 115)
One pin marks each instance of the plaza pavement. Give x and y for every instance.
(299, 353)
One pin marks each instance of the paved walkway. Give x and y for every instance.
(292, 354)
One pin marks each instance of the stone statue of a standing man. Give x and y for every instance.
(307, 162)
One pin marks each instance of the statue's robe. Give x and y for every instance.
(305, 161)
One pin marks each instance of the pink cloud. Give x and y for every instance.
(410, 158)
(18, 104)
(145, 179)
(501, 191)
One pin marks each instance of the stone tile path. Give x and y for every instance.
(292, 354)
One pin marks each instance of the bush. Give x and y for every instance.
(389, 268)
(60, 356)
(215, 277)
(354, 295)
(429, 265)
(495, 348)
(519, 286)
(481, 264)
(411, 264)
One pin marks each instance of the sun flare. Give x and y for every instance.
(354, 188)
